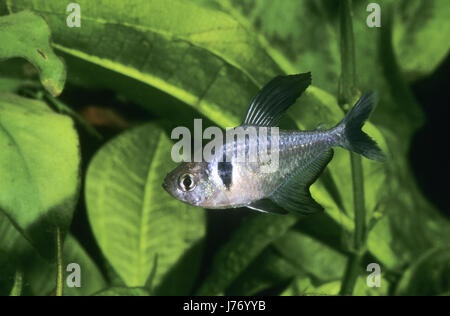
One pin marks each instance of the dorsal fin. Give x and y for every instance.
(294, 195)
(267, 107)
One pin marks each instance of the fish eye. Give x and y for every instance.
(186, 182)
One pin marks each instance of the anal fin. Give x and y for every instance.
(267, 206)
(294, 195)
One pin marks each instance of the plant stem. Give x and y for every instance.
(347, 83)
(59, 263)
(358, 201)
(348, 93)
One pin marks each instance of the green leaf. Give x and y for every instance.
(10, 238)
(18, 284)
(182, 275)
(268, 271)
(41, 276)
(421, 33)
(429, 275)
(288, 31)
(13, 85)
(123, 291)
(39, 167)
(133, 218)
(305, 287)
(319, 261)
(245, 245)
(175, 46)
(28, 36)
(421, 30)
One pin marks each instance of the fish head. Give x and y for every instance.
(190, 183)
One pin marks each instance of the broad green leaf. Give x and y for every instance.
(421, 30)
(13, 85)
(380, 243)
(268, 271)
(421, 33)
(134, 220)
(14, 251)
(244, 246)
(39, 167)
(181, 277)
(290, 33)
(41, 276)
(429, 275)
(10, 238)
(317, 260)
(123, 291)
(305, 287)
(175, 46)
(28, 36)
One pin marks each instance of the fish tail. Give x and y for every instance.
(352, 136)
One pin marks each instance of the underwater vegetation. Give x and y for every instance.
(90, 92)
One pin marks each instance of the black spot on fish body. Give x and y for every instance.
(225, 171)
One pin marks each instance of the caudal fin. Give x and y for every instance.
(354, 138)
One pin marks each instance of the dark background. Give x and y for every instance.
(429, 149)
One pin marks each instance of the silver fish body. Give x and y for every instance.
(228, 181)
(251, 181)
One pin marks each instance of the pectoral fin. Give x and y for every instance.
(267, 107)
(294, 195)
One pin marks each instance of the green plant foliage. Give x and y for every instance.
(38, 274)
(18, 284)
(421, 26)
(28, 36)
(429, 275)
(247, 242)
(137, 224)
(123, 291)
(236, 67)
(312, 256)
(40, 175)
(267, 272)
(305, 287)
(91, 278)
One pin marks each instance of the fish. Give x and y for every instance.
(302, 156)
